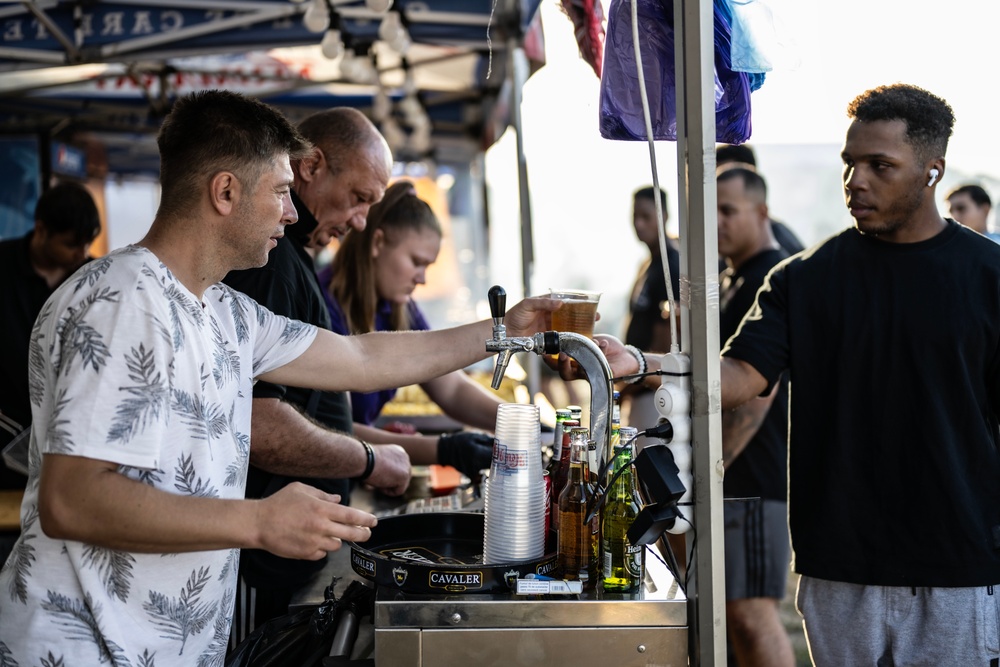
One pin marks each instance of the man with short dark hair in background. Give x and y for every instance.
(31, 268)
(754, 440)
(970, 205)
(728, 154)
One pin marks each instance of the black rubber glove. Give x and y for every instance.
(467, 451)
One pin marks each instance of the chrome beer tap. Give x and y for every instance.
(579, 348)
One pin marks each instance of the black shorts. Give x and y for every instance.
(757, 548)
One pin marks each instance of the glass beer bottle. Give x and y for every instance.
(576, 548)
(554, 484)
(624, 564)
(562, 416)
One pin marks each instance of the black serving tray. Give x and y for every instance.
(437, 553)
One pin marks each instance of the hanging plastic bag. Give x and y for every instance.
(761, 41)
(621, 115)
(732, 111)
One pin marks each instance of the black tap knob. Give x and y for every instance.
(498, 303)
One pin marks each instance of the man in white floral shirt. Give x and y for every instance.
(141, 368)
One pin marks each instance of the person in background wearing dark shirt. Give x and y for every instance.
(754, 440)
(743, 154)
(332, 191)
(31, 268)
(970, 205)
(648, 325)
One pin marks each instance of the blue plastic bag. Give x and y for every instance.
(761, 40)
(621, 114)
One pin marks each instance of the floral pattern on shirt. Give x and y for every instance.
(126, 365)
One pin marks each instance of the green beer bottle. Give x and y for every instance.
(624, 563)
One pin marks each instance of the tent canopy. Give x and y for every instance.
(111, 70)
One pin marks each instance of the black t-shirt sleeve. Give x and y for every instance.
(271, 290)
(762, 338)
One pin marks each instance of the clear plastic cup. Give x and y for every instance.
(578, 312)
(515, 490)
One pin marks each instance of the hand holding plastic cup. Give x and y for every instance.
(578, 312)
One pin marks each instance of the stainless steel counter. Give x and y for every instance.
(646, 628)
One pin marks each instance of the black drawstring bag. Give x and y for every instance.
(302, 638)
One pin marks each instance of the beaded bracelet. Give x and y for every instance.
(369, 464)
(640, 359)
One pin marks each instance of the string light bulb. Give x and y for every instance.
(317, 16)
(379, 6)
(393, 33)
(332, 45)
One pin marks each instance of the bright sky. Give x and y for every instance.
(581, 184)
(848, 46)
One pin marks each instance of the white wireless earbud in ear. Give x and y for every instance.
(934, 174)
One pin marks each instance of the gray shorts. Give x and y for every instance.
(757, 548)
(899, 626)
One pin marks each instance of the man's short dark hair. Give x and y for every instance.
(742, 153)
(976, 193)
(339, 132)
(752, 181)
(218, 130)
(929, 119)
(649, 192)
(68, 207)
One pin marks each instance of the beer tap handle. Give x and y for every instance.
(498, 309)
(498, 304)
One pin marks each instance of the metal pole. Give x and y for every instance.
(519, 74)
(695, 56)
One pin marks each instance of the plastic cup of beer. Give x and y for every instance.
(578, 312)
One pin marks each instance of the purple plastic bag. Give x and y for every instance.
(621, 108)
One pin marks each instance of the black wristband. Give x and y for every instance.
(369, 464)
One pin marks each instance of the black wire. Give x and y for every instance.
(637, 376)
(694, 540)
(673, 567)
(601, 492)
(661, 373)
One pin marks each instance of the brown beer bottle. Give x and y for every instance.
(554, 487)
(576, 541)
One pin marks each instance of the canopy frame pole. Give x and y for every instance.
(695, 75)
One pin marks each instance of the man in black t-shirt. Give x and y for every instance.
(754, 440)
(332, 191)
(648, 326)
(890, 334)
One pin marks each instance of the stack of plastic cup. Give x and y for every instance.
(515, 490)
